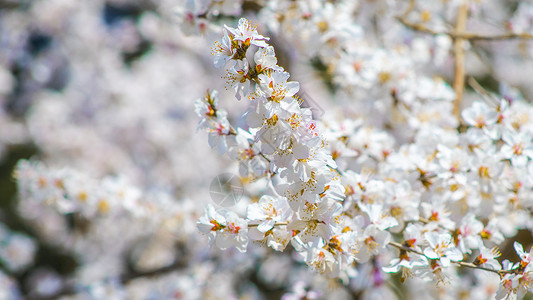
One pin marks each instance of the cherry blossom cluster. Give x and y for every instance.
(80, 213)
(281, 133)
(76, 205)
(441, 201)
(384, 86)
(70, 192)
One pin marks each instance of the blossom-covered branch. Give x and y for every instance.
(334, 217)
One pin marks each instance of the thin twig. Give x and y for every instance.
(465, 35)
(480, 90)
(275, 224)
(263, 155)
(460, 263)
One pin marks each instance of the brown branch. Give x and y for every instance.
(420, 27)
(458, 44)
(505, 36)
(459, 263)
(466, 35)
(457, 34)
(402, 247)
